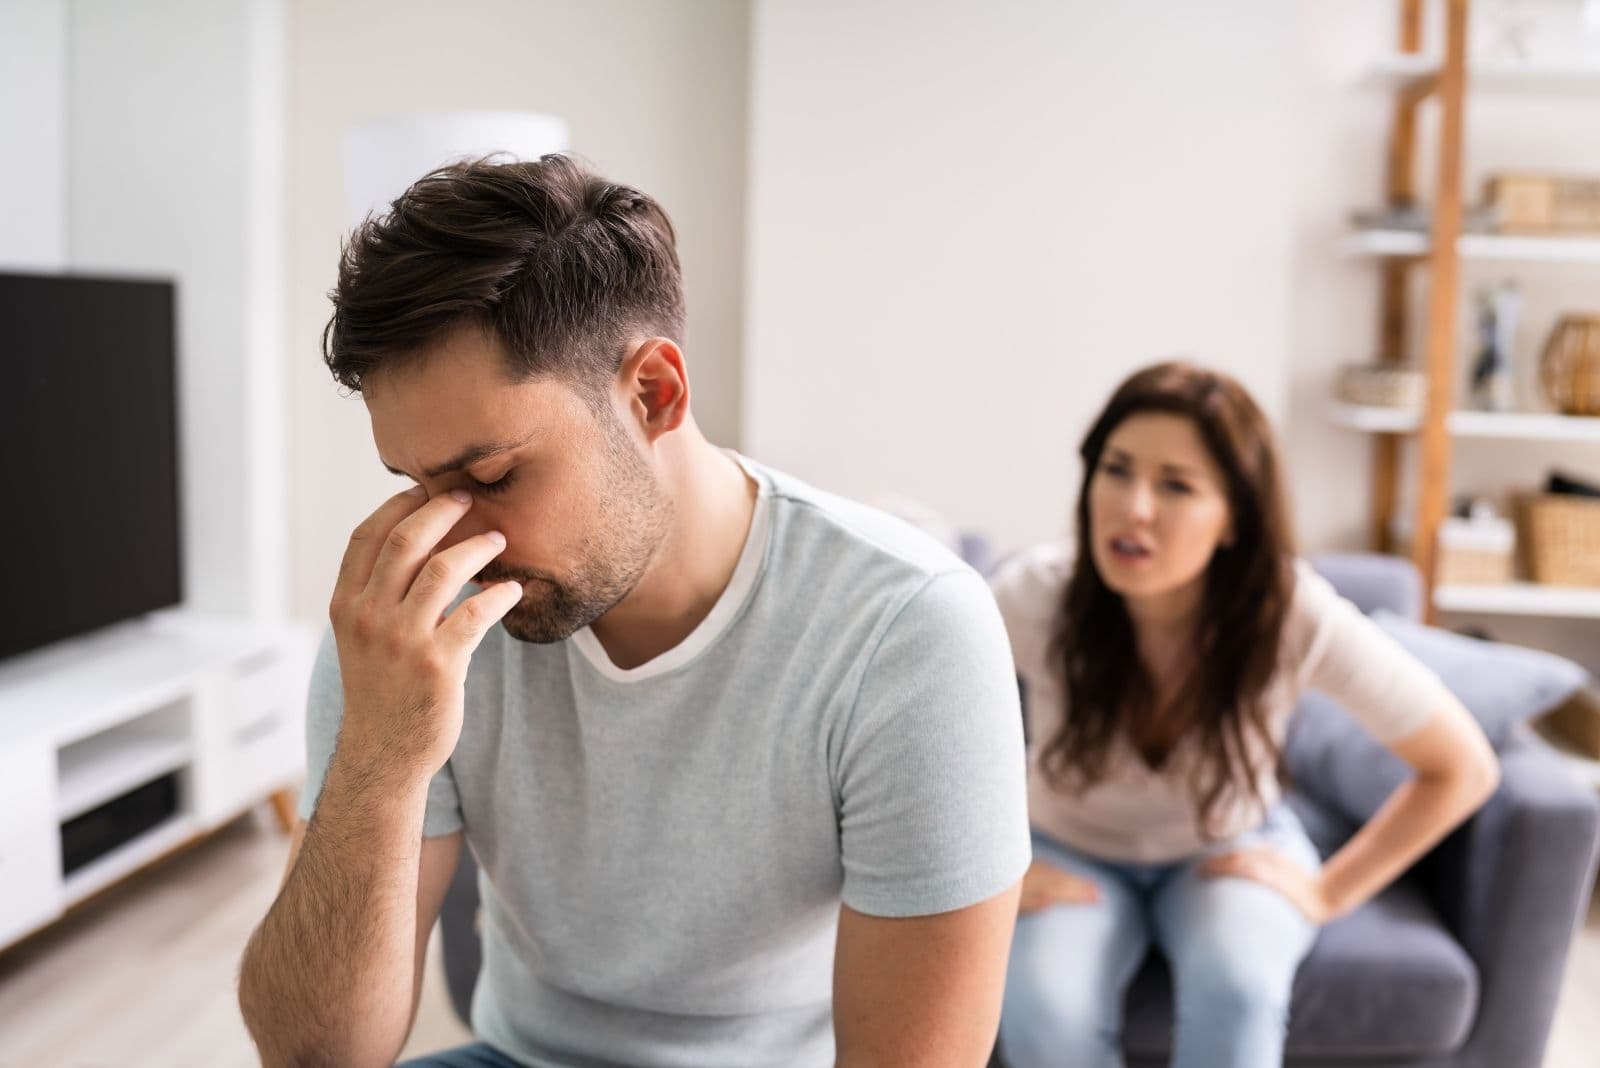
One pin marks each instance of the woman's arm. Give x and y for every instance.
(1456, 771)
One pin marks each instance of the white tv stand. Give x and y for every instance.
(219, 701)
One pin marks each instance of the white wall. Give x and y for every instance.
(967, 223)
(174, 131)
(33, 150)
(653, 94)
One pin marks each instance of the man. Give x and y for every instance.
(741, 762)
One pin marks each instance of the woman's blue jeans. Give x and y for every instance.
(1233, 946)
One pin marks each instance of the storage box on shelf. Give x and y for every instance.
(1544, 203)
(1476, 552)
(1429, 226)
(118, 747)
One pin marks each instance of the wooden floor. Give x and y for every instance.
(145, 975)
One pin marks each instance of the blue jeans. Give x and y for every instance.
(1233, 946)
(477, 1055)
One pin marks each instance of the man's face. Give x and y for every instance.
(578, 502)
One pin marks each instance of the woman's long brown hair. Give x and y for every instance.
(1248, 586)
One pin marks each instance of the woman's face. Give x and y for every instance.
(1158, 507)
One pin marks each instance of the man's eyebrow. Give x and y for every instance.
(465, 458)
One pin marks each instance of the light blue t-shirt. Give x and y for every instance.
(664, 850)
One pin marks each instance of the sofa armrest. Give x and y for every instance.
(458, 931)
(1513, 884)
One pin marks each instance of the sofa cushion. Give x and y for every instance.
(1385, 981)
(1501, 685)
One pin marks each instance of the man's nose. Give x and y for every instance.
(471, 524)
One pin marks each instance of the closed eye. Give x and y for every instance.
(499, 485)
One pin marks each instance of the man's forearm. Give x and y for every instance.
(327, 978)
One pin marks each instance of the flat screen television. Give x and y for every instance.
(89, 507)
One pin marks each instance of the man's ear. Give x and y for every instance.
(655, 386)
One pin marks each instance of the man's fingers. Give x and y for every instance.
(465, 627)
(355, 569)
(411, 542)
(445, 573)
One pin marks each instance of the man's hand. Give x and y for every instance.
(1045, 885)
(403, 663)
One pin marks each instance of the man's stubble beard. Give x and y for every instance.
(630, 528)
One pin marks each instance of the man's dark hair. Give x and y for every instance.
(558, 264)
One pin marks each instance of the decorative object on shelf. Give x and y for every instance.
(1561, 482)
(1499, 309)
(1561, 533)
(1569, 370)
(1543, 203)
(1478, 549)
(1382, 385)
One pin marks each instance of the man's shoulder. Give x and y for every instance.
(822, 535)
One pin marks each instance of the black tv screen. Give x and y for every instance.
(89, 477)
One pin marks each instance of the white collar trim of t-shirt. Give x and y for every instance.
(721, 614)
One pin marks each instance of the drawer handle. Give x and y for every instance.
(258, 729)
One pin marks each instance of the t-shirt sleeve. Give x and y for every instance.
(930, 776)
(1349, 658)
(324, 713)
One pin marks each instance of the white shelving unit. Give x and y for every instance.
(1401, 71)
(1509, 426)
(1488, 248)
(96, 876)
(1518, 598)
(109, 764)
(1441, 74)
(1521, 599)
(207, 708)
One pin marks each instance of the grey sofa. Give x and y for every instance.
(1457, 964)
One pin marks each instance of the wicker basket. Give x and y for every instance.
(1570, 367)
(1382, 386)
(1561, 533)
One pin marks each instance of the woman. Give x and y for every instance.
(1160, 664)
